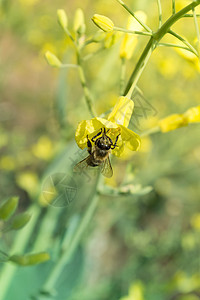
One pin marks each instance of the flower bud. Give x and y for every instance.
(30, 259)
(20, 221)
(79, 21)
(52, 60)
(62, 18)
(103, 22)
(8, 208)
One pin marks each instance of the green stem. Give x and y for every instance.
(160, 13)
(122, 77)
(197, 28)
(174, 46)
(73, 243)
(151, 45)
(173, 7)
(139, 68)
(183, 41)
(191, 16)
(134, 16)
(132, 31)
(68, 66)
(86, 91)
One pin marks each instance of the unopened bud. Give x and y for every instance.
(62, 18)
(103, 22)
(52, 60)
(79, 21)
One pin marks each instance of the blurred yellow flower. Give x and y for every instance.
(172, 122)
(129, 41)
(7, 163)
(189, 56)
(195, 221)
(117, 123)
(192, 115)
(43, 149)
(111, 38)
(28, 181)
(103, 22)
(136, 292)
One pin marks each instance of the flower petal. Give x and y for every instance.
(193, 114)
(131, 139)
(90, 128)
(122, 111)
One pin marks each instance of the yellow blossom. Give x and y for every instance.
(129, 41)
(103, 22)
(136, 292)
(172, 122)
(116, 122)
(192, 115)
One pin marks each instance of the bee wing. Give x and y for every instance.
(81, 165)
(106, 168)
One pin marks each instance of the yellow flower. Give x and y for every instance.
(103, 22)
(192, 115)
(172, 122)
(136, 292)
(129, 41)
(117, 123)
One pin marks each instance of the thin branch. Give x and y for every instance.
(191, 16)
(134, 16)
(160, 13)
(196, 27)
(173, 7)
(183, 41)
(132, 31)
(175, 46)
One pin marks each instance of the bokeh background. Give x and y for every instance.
(141, 246)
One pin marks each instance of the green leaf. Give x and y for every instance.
(20, 221)
(8, 208)
(30, 259)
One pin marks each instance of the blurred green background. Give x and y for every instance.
(140, 246)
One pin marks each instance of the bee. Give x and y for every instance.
(99, 153)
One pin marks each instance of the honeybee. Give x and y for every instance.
(99, 153)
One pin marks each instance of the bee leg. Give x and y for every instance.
(115, 144)
(99, 133)
(89, 145)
